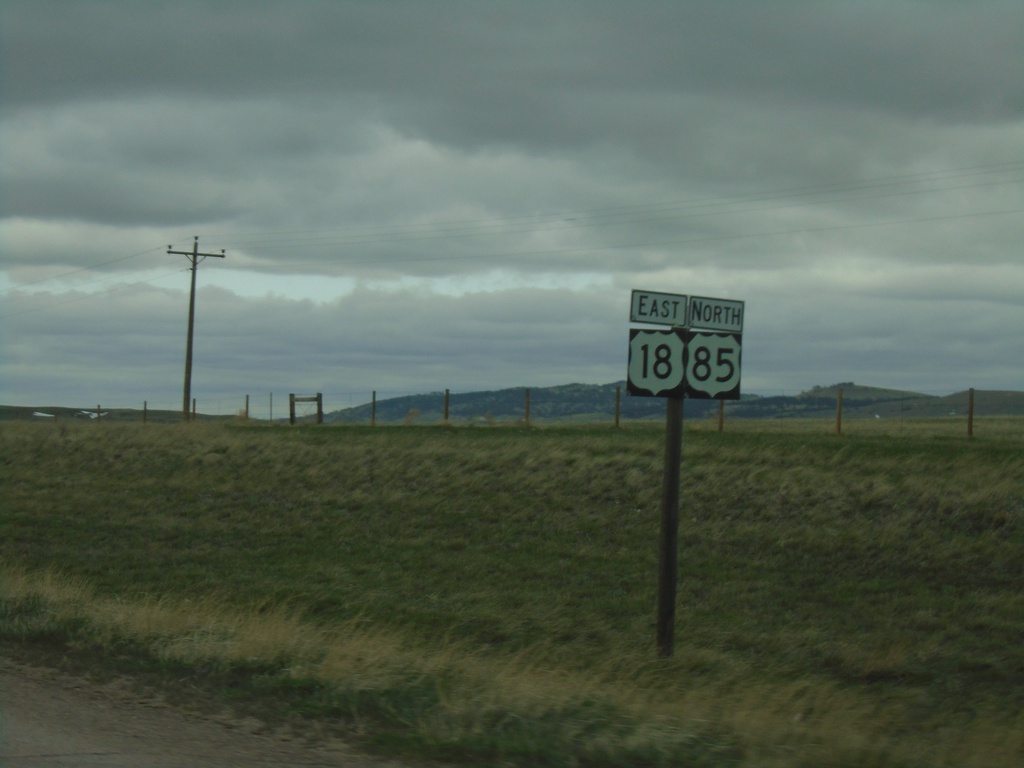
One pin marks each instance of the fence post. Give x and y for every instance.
(319, 408)
(970, 412)
(446, 405)
(373, 409)
(246, 407)
(291, 408)
(145, 410)
(839, 411)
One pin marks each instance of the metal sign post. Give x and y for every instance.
(677, 363)
(668, 547)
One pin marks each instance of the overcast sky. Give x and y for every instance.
(415, 196)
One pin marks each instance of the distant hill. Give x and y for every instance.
(565, 403)
(594, 403)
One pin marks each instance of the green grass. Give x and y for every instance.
(488, 595)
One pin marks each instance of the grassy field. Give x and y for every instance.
(487, 595)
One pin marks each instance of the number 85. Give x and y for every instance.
(701, 368)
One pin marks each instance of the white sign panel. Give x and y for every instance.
(656, 363)
(657, 308)
(713, 365)
(715, 314)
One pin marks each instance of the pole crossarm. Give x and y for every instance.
(194, 253)
(194, 258)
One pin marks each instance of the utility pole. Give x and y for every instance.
(194, 258)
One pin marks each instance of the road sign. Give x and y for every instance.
(657, 308)
(656, 363)
(703, 364)
(713, 365)
(715, 314)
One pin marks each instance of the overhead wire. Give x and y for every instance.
(390, 231)
(644, 213)
(89, 268)
(309, 242)
(85, 296)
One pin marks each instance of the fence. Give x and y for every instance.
(586, 404)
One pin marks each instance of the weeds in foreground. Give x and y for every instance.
(453, 701)
(487, 595)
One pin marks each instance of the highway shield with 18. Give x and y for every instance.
(656, 365)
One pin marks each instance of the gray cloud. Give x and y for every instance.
(418, 196)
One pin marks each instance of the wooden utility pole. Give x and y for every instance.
(194, 258)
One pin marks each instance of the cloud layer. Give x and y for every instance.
(461, 195)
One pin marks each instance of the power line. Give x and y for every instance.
(89, 268)
(313, 240)
(588, 248)
(394, 231)
(85, 296)
(602, 216)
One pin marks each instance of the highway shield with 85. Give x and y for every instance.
(712, 365)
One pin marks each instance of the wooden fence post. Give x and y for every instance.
(839, 411)
(291, 408)
(319, 408)
(446, 405)
(373, 409)
(145, 410)
(246, 407)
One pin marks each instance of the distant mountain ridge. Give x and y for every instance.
(583, 403)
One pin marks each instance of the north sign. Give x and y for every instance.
(657, 308)
(715, 314)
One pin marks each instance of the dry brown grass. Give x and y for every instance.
(801, 722)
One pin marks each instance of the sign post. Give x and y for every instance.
(668, 541)
(699, 357)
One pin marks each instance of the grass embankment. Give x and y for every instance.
(487, 595)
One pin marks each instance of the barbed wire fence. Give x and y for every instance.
(389, 407)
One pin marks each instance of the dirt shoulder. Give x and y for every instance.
(50, 718)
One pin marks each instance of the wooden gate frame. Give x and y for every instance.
(318, 398)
